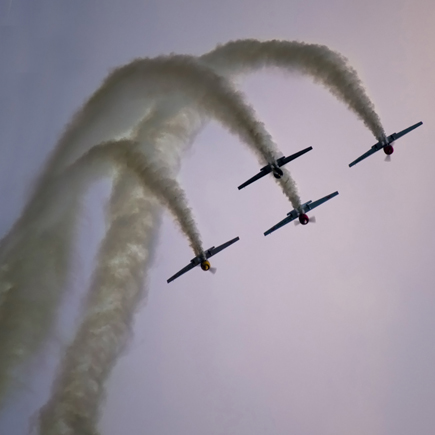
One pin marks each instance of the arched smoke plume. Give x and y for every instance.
(140, 120)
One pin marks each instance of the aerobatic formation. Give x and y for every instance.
(133, 130)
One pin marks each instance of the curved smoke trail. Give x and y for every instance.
(133, 93)
(59, 408)
(132, 90)
(79, 389)
(127, 96)
(324, 65)
(166, 189)
(116, 289)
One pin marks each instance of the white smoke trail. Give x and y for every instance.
(128, 94)
(289, 188)
(324, 65)
(34, 269)
(60, 404)
(131, 91)
(79, 388)
(116, 289)
(168, 191)
(123, 99)
(32, 272)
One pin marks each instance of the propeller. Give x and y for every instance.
(212, 270)
(312, 220)
(387, 158)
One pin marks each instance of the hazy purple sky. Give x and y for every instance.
(325, 329)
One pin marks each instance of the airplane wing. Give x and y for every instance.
(378, 146)
(213, 251)
(284, 160)
(190, 266)
(263, 172)
(321, 200)
(197, 260)
(371, 151)
(407, 130)
(268, 169)
(289, 218)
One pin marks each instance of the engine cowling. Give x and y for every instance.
(303, 219)
(205, 265)
(388, 150)
(277, 173)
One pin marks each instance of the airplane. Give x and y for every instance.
(386, 144)
(202, 259)
(274, 167)
(301, 213)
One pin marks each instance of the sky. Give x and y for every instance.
(324, 329)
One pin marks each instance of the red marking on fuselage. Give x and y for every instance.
(388, 150)
(303, 219)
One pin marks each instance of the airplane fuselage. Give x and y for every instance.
(277, 172)
(302, 213)
(387, 145)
